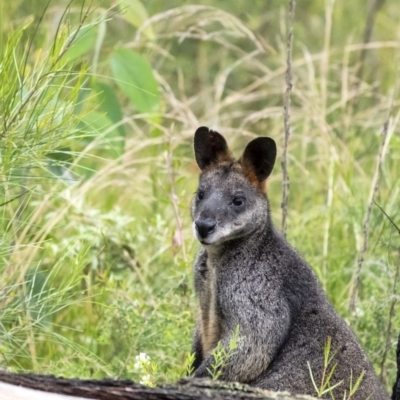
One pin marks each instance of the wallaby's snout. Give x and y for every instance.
(205, 227)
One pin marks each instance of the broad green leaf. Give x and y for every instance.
(135, 13)
(84, 42)
(96, 122)
(109, 104)
(134, 76)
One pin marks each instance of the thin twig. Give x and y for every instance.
(75, 35)
(325, 55)
(374, 189)
(386, 135)
(286, 119)
(369, 27)
(375, 6)
(329, 201)
(387, 216)
(24, 191)
(178, 237)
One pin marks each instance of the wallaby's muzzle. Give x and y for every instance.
(204, 227)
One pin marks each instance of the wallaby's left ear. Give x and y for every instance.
(210, 148)
(259, 158)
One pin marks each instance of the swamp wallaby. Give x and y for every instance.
(248, 276)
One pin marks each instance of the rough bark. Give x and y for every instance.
(19, 386)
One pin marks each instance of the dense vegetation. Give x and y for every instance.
(98, 105)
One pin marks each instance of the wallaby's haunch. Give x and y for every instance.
(247, 275)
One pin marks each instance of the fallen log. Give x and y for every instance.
(48, 387)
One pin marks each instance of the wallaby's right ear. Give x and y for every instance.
(210, 148)
(259, 158)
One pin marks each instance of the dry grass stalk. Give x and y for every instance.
(369, 27)
(286, 119)
(178, 237)
(386, 135)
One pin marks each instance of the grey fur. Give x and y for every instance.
(247, 275)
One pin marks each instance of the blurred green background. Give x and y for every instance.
(99, 101)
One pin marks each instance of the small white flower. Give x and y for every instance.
(141, 361)
(143, 357)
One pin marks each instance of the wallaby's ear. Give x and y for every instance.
(258, 159)
(210, 148)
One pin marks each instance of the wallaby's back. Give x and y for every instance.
(248, 276)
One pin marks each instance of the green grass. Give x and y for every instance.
(96, 244)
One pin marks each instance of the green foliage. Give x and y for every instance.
(221, 355)
(326, 386)
(354, 387)
(148, 368)
(135, 78)
(33, 102)
(190, 358)
(83, 39)
(109, 104)
(97, 112)
(136, 14)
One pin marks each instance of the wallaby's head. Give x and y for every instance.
(230, 202)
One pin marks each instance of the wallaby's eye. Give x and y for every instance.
(200, 195)
(238, 201)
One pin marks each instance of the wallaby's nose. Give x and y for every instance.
(205, 227)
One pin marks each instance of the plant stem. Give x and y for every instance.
(374, 188)
(179, 232)
(286, 119)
